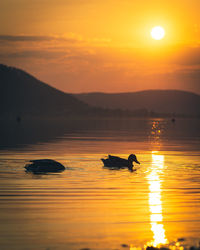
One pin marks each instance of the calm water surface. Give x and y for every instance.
(89, 206)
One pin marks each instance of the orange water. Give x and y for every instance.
(89, 206)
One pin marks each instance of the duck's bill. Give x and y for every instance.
(137, 161)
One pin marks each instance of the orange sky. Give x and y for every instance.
(90, 45)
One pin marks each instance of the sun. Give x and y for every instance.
(157, 33)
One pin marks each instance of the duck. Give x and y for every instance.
(44, 166)
(117, 162)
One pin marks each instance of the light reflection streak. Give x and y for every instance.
(155, 134)
(155, 201)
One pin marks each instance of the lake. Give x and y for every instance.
(89, 206)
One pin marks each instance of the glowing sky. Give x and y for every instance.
(91, 45)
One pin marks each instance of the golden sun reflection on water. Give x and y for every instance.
(155, 201)
(155, 135)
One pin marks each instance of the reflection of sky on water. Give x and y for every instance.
(155, 188)
(155, 201)
(94, 206)
(141, 134)
(157, 130)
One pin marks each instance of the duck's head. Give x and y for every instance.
(133, 158)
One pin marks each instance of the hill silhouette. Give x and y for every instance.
(21, 94)
(158, 101)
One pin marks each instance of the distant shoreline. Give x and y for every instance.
(21, 118)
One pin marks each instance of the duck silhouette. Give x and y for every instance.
(117, 162)
(44, 166)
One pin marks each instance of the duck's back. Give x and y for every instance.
(118, 160)
(44, 165)
(115, 161)
(46, 162)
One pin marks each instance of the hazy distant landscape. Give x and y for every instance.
(175, 102)
(23, 95)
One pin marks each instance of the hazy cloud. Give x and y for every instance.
(69, 37)
(24, 38)
(187, 56)
(57, 58)
(33, 54)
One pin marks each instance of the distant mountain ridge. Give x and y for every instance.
(159, 101)
(22, 94)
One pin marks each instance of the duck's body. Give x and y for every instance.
(44, 166)
(117, 162)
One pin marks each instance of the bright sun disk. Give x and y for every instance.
(157, 33)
